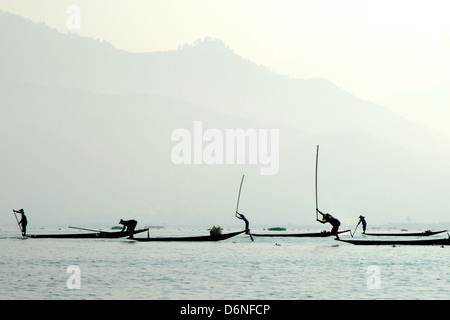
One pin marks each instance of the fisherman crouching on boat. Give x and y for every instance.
(128, 226)
(328, 218)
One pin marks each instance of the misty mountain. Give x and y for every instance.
(86, 133)
(206, 73)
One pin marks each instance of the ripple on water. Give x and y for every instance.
(265, 269)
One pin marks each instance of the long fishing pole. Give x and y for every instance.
(317, 163)
(239, 195)
(18, 224)
(356, 227)
(237, 210)
(86, 229)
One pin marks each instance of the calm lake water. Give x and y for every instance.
(236, 269)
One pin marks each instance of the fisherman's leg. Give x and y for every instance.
(246, 227)
(334, 232)
(128, 231)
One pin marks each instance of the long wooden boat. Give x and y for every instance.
(86, 235)
(420, 242)
(205, 238)
(218, 237)
(310, 234)
(406, 234)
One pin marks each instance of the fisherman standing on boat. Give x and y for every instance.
(362, 220)
(328, 218)
(23, 221)
(130, 225)
(242, 217)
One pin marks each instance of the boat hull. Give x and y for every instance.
(404, 234)
(422, 242)
(207, 238)
(299, 235)
(93, 235)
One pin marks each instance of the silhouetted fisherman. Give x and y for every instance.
(328, 218)
(128, 226)
(362, 220)
(23, 221)
(242, 217)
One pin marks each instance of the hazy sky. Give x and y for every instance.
(373, 49)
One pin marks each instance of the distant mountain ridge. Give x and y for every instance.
(206, 73)
(86, 134)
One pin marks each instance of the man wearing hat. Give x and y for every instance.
(362, 220)
(23, 221)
